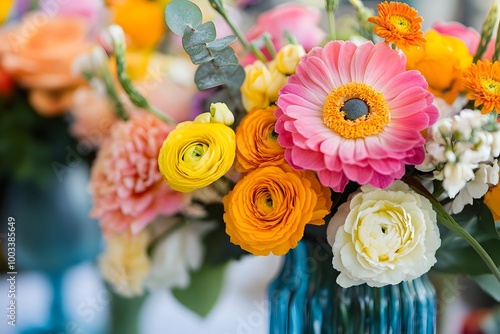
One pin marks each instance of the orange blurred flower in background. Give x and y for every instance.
(442, 61)
(39, 57)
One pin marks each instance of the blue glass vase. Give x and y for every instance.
(305, 298)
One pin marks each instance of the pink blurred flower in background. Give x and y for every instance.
(127, 188)
(296, 20)
(467, 35)
(91, 10)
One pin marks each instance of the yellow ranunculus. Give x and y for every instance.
(492, 200)
(441, 61)
(195, 155)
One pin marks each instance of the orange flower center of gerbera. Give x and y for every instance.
(355, 110)
(401, 23)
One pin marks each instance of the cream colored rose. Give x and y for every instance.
(288, 58)
(125, 263)
(382, 237)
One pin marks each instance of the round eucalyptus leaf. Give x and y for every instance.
(182, 14)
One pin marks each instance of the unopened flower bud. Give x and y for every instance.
(288, 58)
(203, 118)
(220, 113)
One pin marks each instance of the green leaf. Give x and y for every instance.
(466, 260)
(208, 76)
(204, 290)
(221, 43)
(180, 14)
(200, 35)
(235, 76)
(225, 57)
(203, 56)
(489, 284)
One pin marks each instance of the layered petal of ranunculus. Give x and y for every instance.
(195, 155)
(354, 113)
(256, 141)
(268, 209)
(382, 237)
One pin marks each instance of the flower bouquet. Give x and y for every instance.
(376, 140)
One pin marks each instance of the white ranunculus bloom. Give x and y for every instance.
(382, 237)
(177, 255)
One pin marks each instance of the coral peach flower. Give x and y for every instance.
(41, 61)
(127, 187)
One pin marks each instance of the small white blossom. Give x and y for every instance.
(177, 255)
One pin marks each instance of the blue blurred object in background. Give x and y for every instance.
(53, 232)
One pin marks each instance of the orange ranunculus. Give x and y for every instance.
(268, 209)
(142, 21)
(39, 57)
(492, 200)
(256, 141)
(441, 61)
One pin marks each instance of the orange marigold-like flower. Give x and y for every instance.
(256, 141)
(483, 82)
(268, 209)
(398, 23)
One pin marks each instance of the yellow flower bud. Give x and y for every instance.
(220, 113)
(254, 88)
(195, 155)
(288, 58)
(278, 80)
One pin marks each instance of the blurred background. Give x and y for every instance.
(47, 145)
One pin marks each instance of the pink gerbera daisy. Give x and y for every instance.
(353, 112)
(127, 187)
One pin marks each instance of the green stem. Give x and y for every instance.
(331, 22)
(479, 249)
(269, 44)
(236, 31)
(258, 53)
(135, 97)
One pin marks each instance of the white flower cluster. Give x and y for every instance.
(462, 152)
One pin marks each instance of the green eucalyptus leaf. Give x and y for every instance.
(208, 75)
(204, 289)
(200, 35)
(180, 14)
(225, 57)
(489, 284)
(235, 76)
(221, 43)
(203, 56)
